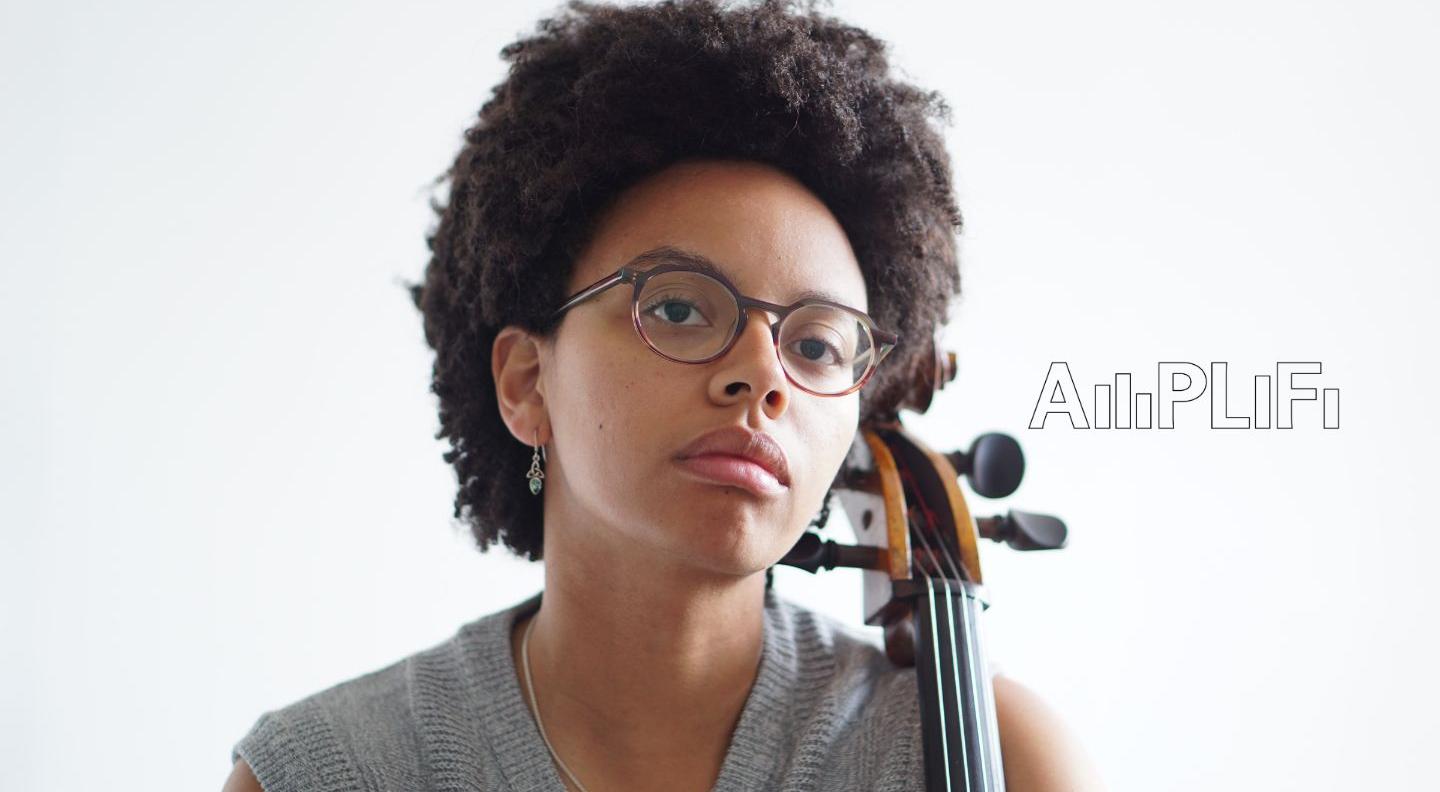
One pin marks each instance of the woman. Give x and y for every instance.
(658, 451)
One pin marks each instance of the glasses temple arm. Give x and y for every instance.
(591, 290)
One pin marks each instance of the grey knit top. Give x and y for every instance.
(828, 711)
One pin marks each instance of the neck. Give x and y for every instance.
(651, 668)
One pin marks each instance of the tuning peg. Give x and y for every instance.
(994, 464)
(811, 553)
(1025, 530)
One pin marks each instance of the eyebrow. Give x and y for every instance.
(656, 256)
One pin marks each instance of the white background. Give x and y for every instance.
(220, 491)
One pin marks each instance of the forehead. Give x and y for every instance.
(759, 226)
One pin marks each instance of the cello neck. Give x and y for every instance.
(957, 700)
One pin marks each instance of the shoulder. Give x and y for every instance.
(361, 733)
(242, 779)
(1040, 752)
(312, 743)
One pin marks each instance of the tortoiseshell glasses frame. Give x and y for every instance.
(882, 342)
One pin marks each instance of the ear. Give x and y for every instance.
(515, 363)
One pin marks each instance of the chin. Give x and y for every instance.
(737, 542)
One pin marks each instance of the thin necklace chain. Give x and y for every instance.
(530, 688)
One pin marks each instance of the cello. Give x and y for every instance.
(918, 545)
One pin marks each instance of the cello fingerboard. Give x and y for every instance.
(957, 700)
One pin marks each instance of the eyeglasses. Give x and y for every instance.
(688, 312)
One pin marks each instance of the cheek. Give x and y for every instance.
(834, 434)
(836, 424)
(606, 408)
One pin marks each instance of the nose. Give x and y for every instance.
(762, 326)
(753, 364)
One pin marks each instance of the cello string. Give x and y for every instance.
(939, 680)
(949, 560)
(955, 672)
(930, 578)
(944, 555)
(993, 732)
(967, 614)
(983, 701)
(980, 686)
(974, 657)
(929, 555)
(939, 672)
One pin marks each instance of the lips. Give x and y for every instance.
(733, 472)
(739, 456)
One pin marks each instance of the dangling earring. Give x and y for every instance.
(536, 474)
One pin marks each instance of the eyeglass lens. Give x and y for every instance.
(691, 317)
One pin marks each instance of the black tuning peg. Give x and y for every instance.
(1025, 530)
(811, 553)
(994, 464)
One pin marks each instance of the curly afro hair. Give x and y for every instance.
(603, 96)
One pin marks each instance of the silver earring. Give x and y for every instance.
(536, 474)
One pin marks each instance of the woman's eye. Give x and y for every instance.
(813, 350)
(675, 311)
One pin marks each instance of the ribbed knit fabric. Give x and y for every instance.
(827, 711)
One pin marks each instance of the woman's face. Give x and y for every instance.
(619, 413)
